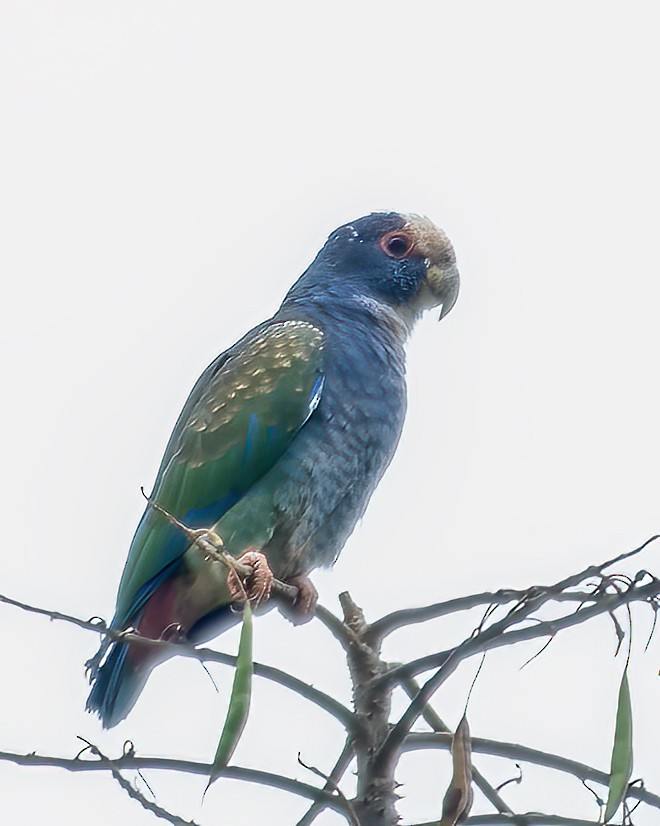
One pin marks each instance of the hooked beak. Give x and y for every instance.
(442, 277)
(444, 283)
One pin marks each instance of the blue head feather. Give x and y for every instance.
(353, 262)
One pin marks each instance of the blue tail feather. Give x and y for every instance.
(118, 682)
(116, 687)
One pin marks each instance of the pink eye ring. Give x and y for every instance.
(396, 244)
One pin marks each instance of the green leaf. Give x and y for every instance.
(239, 703)
(622, 752)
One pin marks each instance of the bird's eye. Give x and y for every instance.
(396, 244)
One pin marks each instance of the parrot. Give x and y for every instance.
(279, 447)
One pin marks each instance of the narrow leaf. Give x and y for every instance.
(239, 703)
(622, 752)
(458, 799)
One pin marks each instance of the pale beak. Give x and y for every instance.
(444, 283)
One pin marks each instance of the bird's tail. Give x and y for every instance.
(121, 675)
(118, 682)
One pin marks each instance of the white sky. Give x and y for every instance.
(168, 169)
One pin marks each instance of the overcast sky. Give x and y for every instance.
(168, 170)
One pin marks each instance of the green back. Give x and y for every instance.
(240, 418)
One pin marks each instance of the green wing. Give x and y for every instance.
(241, 416)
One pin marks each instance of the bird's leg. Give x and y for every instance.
(257, 586)
(302, 610)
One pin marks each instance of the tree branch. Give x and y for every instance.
(88, 625)
(269, 672)
(410, 616)
(211, 544)
(376, 791)
(343, 762)
(386, 625)
(497, 635)
(530, 819)
(375, 742)
(344, 635)
(411, 687)
(134, 794)
(548, 628)
(331, 785)
(513, 751)
(324, 701)
(130, 761)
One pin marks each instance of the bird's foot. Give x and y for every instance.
(257, 586)
(302, 610)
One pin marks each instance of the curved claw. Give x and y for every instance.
(257, 586)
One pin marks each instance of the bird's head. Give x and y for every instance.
(402, 260)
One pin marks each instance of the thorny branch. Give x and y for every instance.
(386, 625)
(182, 649)
(133, 793)
(339, 769)
(331, 784)
(375, 742)
(530, 819)
(414, 742)
(130, 761)
(498, 634)
(411, 687)
(514, 751)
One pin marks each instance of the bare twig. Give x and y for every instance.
(339, 769)
(597, 570)
(339, 630)
(411, 687)
(525, 754)
(497, 634)
(100, 626)
(210, 543)
(530, 819)
(134, 794)
(130, 761)
(373, 740)
(269, 672)
(331, 784)
(409, 616)
(283, 678)
(386, 625)
(413, 742)
(517, 779)
(548, 628)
